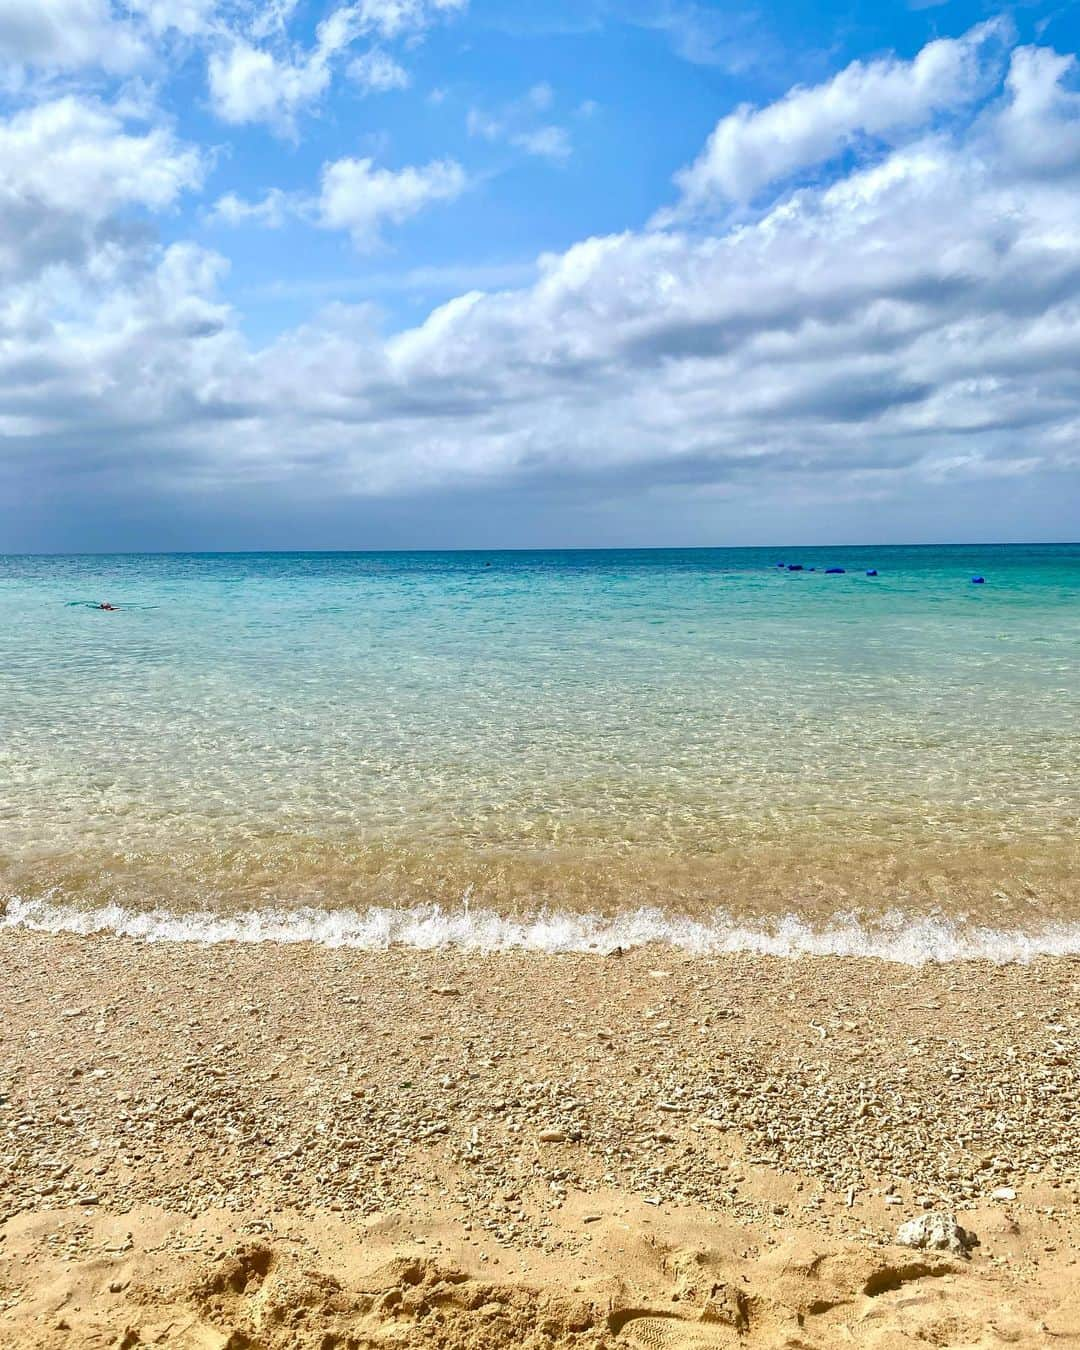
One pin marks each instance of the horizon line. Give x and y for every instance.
(547, 548)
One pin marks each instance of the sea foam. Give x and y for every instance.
(903, 938)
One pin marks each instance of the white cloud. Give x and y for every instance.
(73, 154)
(915, 322)
(377, 72)
(752, 148)
(66, 35)
(113, 36)
(550, 142)
(358, 197)
(100, 349)
(515, 124)
(250, 82)
(94, 315)
(392, 17)
(271, 212)
(1039, 124)
(190, 18)
(355, 195)
(255, 72)
(271, 19)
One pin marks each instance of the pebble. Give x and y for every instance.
(321, 1102)
(936, 1232)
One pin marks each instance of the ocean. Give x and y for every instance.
(559, 750)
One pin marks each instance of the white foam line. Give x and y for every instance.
(895, 937)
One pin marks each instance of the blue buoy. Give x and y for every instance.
(835, 571)
(871, 571)
(978, 581)
(794, 567)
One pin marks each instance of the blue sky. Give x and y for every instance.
(376, 273)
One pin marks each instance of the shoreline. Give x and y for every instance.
(893, 936)
(515, 1125)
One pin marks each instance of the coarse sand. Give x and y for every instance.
(283, 1148)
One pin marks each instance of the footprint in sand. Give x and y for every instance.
(723, 1320)
(671, 1333)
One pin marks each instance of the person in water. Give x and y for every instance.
(105, 605)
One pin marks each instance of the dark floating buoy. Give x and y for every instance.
(871, 571)
(978, 581)
(794, 567)
(835, 571)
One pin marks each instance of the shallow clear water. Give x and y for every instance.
(586, 732)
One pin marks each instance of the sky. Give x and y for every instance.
(537, 273)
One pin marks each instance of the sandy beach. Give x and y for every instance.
(256, 1146)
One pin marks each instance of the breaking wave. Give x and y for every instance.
(894, 937)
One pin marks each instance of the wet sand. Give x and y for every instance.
(267, 1147)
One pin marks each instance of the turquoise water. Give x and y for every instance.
(697, 731)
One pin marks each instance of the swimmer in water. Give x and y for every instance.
(105, 605)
